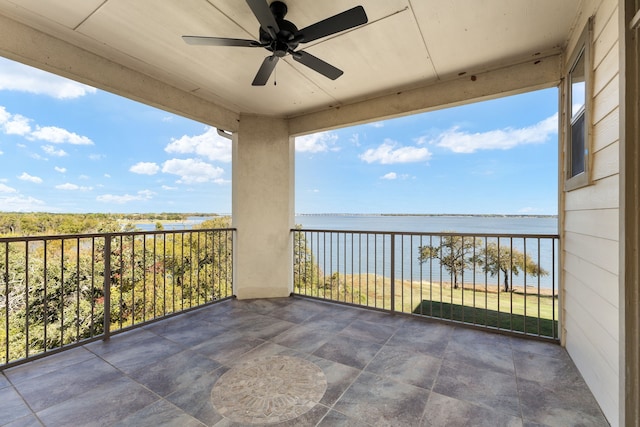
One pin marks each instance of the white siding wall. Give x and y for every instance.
(591, 227)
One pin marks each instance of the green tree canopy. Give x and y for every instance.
(455, 253)
(494, 259)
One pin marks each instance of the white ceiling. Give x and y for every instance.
(406, 44)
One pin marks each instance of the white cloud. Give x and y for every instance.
(377, 124)
(168, 188)
(13, 124)
(392, 176)
(145, 168)
(193, 171)
(106, 175)
(95, 157)
(59, 169)
(50, 150)
(72, 187)
(26, 177)
(6, 189)
(1, 152)
(317, 142)
(421, 140)
(21, 204)
(125, 198)
(390, 153)
(460, 141)
(58, 135)
(17, 77)
(578, 93)
(209, 144)
(147, 194)
(17, 125)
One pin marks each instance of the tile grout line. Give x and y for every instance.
(435, 379)
(361, 371)
(15, 389)
(515, 376)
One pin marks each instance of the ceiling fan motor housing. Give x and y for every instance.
(284, 42)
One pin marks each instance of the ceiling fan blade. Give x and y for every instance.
(265, 71)
(317, 64)
(220, 41)
(340, 22)
(261, 10)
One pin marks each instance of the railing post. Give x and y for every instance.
(393, 273)
(107, 286)
(5, 275)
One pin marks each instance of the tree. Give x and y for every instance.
(52, 290)
(305, 268)
(494, 259)
(455, 253)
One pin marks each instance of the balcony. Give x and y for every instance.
(141, 329)
(504, 282)
(375, 368)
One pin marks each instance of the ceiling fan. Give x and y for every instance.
(282, 37)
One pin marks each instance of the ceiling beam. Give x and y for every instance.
(543, 72)
(24, 44)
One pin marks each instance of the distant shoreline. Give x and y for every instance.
(146, 217)
(432, 215)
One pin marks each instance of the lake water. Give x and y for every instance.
(406, 223)
(188, 224)
(432, 224)
(543, 253)
(329, 249)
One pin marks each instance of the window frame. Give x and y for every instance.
(582, 49)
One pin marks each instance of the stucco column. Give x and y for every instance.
(263, 207)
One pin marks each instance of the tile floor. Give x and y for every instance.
(380, 370)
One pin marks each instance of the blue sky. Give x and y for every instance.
(66, 147)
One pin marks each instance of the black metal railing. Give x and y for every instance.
(506, 282)
(59, 291)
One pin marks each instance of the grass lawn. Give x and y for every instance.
(489, 305)
(487, 317)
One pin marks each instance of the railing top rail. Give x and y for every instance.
(429, 233)
(116, 233)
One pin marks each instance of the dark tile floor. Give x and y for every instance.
(380, 369)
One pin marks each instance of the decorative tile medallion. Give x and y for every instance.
(268, 390)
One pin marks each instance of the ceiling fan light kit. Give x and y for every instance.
(282, 37)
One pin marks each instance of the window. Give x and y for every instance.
(578, 109)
